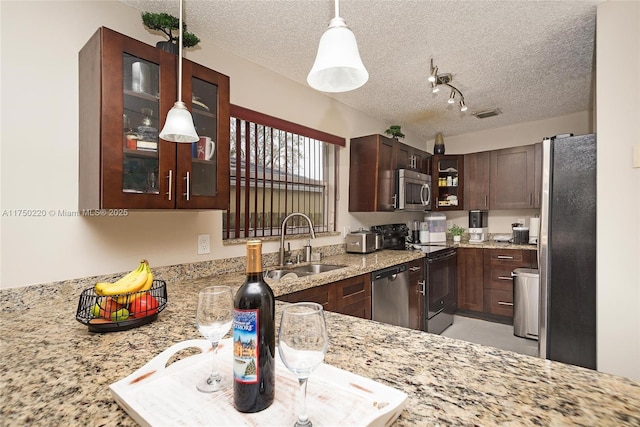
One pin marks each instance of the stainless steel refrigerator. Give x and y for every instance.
(567, 251)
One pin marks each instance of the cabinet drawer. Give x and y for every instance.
(361, 308)
(351, 290)
(321, 295)
(499, 302)
(499, 256)
(500, 277)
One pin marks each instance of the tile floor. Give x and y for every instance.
(490, 334)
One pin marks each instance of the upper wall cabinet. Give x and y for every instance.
(448, 182)
(126, 89)
(512, 181)
(476, 180)
(408, 157)
(372, 165)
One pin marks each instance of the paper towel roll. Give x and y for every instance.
(534, 227)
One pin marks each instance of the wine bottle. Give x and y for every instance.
(254, 339)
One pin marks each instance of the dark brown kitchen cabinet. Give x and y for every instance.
(512, 180)
(408, 157)
(371, 174)
(470, 278)
(477, 168)
(350, 296)
(416, 293)
(498, 283)
(126, 90)
(353, 296)
(448, 182)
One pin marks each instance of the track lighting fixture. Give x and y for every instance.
(437, 80)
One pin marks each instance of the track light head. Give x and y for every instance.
(451, 97)
(463, 106)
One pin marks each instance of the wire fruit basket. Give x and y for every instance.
(121, 312)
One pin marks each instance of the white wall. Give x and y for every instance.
(618, 128)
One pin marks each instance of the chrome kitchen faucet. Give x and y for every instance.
(284, 223)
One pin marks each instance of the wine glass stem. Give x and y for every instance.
(303, 418)
(215, 375)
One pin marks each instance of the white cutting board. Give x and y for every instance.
(157, 395)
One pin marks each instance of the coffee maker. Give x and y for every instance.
(478, 226)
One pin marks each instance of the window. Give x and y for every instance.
(278, 167)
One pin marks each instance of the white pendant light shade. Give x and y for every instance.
(338, 67)
(179, 125)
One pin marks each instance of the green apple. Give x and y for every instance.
(122, 314)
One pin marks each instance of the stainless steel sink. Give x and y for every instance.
(316, 268)
(285, 273)
(300, 271)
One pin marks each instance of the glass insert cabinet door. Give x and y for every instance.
(141, 108)
(203, 166)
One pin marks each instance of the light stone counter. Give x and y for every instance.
(54, 372)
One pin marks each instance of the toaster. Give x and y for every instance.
(361, 242)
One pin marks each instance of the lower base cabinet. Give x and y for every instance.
(350, 296)
(484, 282)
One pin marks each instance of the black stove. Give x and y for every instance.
(394, 236)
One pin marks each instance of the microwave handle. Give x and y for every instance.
(428, 201)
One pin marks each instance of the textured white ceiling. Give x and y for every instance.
(531, 59)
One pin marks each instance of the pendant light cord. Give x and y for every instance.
(337, 6)
(180, 55)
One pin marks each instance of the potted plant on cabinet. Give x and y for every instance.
(457, 232)
(395, 132)
(167, 24)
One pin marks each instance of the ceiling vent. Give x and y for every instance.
(487, 113)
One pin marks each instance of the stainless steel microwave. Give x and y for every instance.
(412, 191)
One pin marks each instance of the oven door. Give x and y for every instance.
(440, 300)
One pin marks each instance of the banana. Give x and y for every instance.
(132, 282)
(147, 285)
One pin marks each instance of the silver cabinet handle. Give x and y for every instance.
(505, 278)
(395, 201)
(170, 178)
(486, 201)
(186, 178)
(504, 257)
(530, 199)
(422, 284)
(505, 303)
(415, 268)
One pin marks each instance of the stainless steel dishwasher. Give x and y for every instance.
(390, 295)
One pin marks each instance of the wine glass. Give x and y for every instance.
(302, 344)
(214, 316)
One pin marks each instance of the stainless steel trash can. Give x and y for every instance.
(526, 296)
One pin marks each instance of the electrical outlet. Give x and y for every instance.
(204, 244)
(449, 224)
(520, 221)
(346, 230)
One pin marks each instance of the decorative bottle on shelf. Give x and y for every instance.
(438, 147)
(254, 339)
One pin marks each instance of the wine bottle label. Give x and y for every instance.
(245, 346)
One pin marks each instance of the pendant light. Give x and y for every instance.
(179, 124)
(338, 67)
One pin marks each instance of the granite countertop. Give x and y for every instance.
(55, 372)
